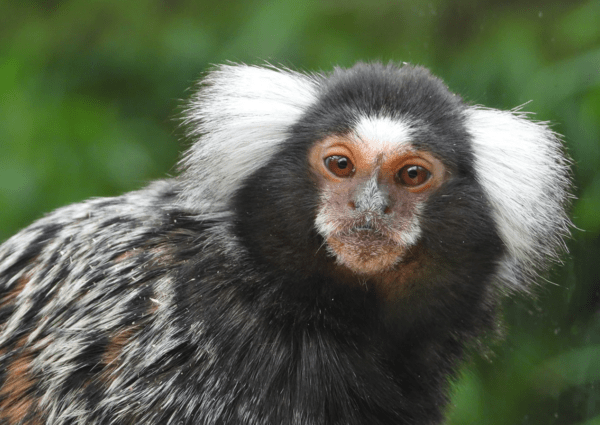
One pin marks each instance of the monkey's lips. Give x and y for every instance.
(365, 250)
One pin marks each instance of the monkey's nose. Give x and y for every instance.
(371, 197)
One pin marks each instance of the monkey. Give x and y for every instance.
(332, 247)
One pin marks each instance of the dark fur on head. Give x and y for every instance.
(216, 298)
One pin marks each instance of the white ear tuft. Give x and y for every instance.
(525, 173)
(239, 118)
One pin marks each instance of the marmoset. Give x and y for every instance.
(331, 247)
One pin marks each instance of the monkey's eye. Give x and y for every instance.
(413, 175)
(339, 165)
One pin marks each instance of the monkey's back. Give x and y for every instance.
(86, 304)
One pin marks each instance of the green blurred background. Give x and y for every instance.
(89, 92)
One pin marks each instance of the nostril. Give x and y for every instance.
(387, 210)
(352, 205)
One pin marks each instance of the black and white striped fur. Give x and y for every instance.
(210, 298)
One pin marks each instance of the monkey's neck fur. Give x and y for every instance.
(312, 346)
(309, 343)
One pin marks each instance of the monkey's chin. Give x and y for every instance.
(365, 254)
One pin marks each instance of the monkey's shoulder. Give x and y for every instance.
(103, 288)
(93, 259)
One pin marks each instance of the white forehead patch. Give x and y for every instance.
(383, 133)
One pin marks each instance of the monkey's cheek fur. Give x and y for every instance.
(365, 253)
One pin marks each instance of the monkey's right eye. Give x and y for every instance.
(339, 165)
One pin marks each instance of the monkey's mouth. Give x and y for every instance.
(367, 239)
(367, 243)
(367, 227)
(365, 250)
(366, 223)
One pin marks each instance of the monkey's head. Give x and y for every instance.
(376, 171)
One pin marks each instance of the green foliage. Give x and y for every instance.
(89, 94)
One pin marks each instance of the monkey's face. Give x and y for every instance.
(373, 185)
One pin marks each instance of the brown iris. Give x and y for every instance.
(339, 165)
(413, 175)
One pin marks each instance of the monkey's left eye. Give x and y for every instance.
(413, 175)
(339, 165)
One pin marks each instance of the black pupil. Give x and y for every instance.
(342, 163)
(413, 172)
